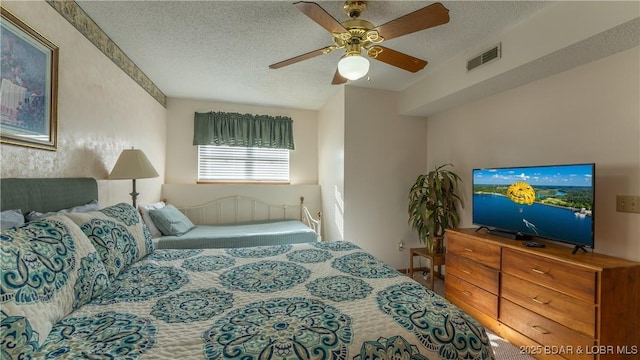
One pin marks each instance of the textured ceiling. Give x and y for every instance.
(221, 50)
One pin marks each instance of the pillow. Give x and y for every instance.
(91, 206)
(170, 221)
(144, 211)
(118, 234)
(11, 218)
(17, 338)
(49, 268)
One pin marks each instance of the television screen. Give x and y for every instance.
(554, 202)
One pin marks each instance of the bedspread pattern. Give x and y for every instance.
(326, 300)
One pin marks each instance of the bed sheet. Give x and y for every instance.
(261, 233)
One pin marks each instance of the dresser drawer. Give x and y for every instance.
(487, 254)
(480, 299)
(545, 331)
(474, 273)
(563, 277)
(572, 312)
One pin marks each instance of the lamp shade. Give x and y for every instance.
(353, 66)
(133, 164)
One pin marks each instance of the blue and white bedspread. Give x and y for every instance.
(323, 300)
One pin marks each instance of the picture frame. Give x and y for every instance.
(29, 85)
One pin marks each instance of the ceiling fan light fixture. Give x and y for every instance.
(353, 66)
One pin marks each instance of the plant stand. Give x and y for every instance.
(435, 259)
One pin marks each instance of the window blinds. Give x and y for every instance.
(225, 163)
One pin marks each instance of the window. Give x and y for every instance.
(242, 164)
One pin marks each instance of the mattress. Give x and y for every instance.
(240, 235)
(321, 300)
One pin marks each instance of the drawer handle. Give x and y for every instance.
(539, 271)
(466, 293)
(467, 249)
(535, 299)
(466, 271)
(540, 329)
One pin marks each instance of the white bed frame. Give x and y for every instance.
(238, 208)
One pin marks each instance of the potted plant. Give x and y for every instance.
(433, 201)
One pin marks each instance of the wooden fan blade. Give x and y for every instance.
(397, 59)
(338, 79)
(320, 16)
(427, 17)
(309, 55)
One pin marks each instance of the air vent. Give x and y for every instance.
(487, 56)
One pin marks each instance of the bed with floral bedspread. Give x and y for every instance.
(91, 285)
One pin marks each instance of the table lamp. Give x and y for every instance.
(133, 164)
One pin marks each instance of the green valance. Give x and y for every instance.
(244, 130)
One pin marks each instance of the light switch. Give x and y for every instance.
(628, 203)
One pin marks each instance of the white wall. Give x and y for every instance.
(383, 154)
(182, 156)
(101, 111)
(331, 166)
(587, 114)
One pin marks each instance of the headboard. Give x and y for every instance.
(46, 194)
(238, 208)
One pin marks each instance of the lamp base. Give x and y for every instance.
(134, 194)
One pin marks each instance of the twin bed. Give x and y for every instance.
(314, 300)
(242, 221)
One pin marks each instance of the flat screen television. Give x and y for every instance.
(555, 202)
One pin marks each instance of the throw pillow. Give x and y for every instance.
(144, 211)
(49, 268)
(118, 234)
(170, 221)
(11, 218)
(91, 206)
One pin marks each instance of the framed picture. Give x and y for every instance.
(29, 88)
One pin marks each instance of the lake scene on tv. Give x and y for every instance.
(554, 202)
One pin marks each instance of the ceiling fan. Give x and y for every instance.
(356, 36)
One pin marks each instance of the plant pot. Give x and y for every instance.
(435, 245)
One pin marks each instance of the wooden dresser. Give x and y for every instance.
(551, 303)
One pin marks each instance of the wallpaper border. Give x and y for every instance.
(74, 14)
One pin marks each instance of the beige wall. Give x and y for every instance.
(331, 165)
(182, 156)
(588, 114)
(561, 36)
(368, 158)
(383, 154)
(101, 111)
